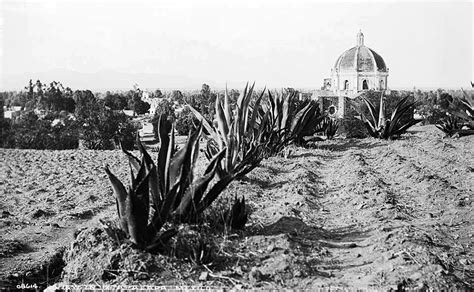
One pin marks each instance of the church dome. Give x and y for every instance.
(360, 59)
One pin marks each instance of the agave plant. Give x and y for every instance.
(133, 208)
(449, 125)
(305, 122)
(166, 191)
(282, 123)
(460, 120)
(467, 109)
(236, 133)
(380, 127)
(467, 113)
(274, 123)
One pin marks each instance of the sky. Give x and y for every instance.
(184, 43)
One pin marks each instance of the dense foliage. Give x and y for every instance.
(54, 131)
(186, 122)
(56, 118)
(103, 128)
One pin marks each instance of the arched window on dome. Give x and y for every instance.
(346, 85)
(365, 85)
(382, 86)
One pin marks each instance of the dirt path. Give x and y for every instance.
(392, 213)
(370, 214)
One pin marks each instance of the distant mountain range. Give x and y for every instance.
(115, 80)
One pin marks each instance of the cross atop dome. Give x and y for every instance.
(360, 38)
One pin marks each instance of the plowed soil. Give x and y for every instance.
(347, 213)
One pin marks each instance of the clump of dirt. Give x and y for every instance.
(10, 247)
(96, 257)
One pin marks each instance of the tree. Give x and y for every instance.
(102, 128)
(177, 96)
(115, 101)
(84, 99)
(157, 94)
(135, 102)
(186, 121)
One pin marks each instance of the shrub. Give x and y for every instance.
(186, 122)
(102, 128)
(352, 127)
(53, 132)
(5, 133)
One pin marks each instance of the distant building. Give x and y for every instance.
(357, 69)
(152, 101)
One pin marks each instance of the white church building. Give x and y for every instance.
(356, 69)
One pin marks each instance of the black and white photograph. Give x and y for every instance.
(229, 145)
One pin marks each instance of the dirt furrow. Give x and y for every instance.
(392, 201)
(432, 207)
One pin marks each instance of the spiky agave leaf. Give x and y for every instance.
(187, 208)
(132, 159)
(210, 129)
(165, 144)
(304, 122)
(138, 209)
(468, 102)
(185, 176)
(120, 198)
(382, 121)
(397, 127)
(372, 125)
(214, 192)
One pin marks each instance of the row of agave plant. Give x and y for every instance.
(168, 192)
(460, 120)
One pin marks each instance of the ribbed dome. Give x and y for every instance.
(360, 58)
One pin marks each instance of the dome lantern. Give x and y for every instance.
(360, 38)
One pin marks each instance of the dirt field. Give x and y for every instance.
(348, 213)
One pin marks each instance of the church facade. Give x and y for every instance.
(357, 69)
